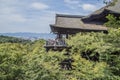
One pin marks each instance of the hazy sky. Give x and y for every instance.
(36, 15)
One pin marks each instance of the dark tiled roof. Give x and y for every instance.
(68, 22)
(115, 8)
(75, 22)
(105, 10)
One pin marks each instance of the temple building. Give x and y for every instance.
(72, 24)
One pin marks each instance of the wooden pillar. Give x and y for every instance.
(67, 35)
(59, 35)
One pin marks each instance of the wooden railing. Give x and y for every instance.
(58, 42)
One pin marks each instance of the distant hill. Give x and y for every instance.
(7, 39)
(30, 36)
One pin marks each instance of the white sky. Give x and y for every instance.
(36, 15)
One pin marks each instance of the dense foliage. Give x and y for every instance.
(113, 22)
(101, 50)
(96, 57)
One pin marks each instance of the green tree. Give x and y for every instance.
(113, 22)
(97, 49)
(11, 61)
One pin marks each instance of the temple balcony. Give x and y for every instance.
(58, 44)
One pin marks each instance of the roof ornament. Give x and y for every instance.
(110, 2)
(107, 2)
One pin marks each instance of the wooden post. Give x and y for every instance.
(67, 36)
(59, 36)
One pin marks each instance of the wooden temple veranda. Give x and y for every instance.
(66, 25)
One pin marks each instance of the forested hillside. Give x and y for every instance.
(95, 56)
(5, 39)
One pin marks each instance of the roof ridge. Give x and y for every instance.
(70, 16)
